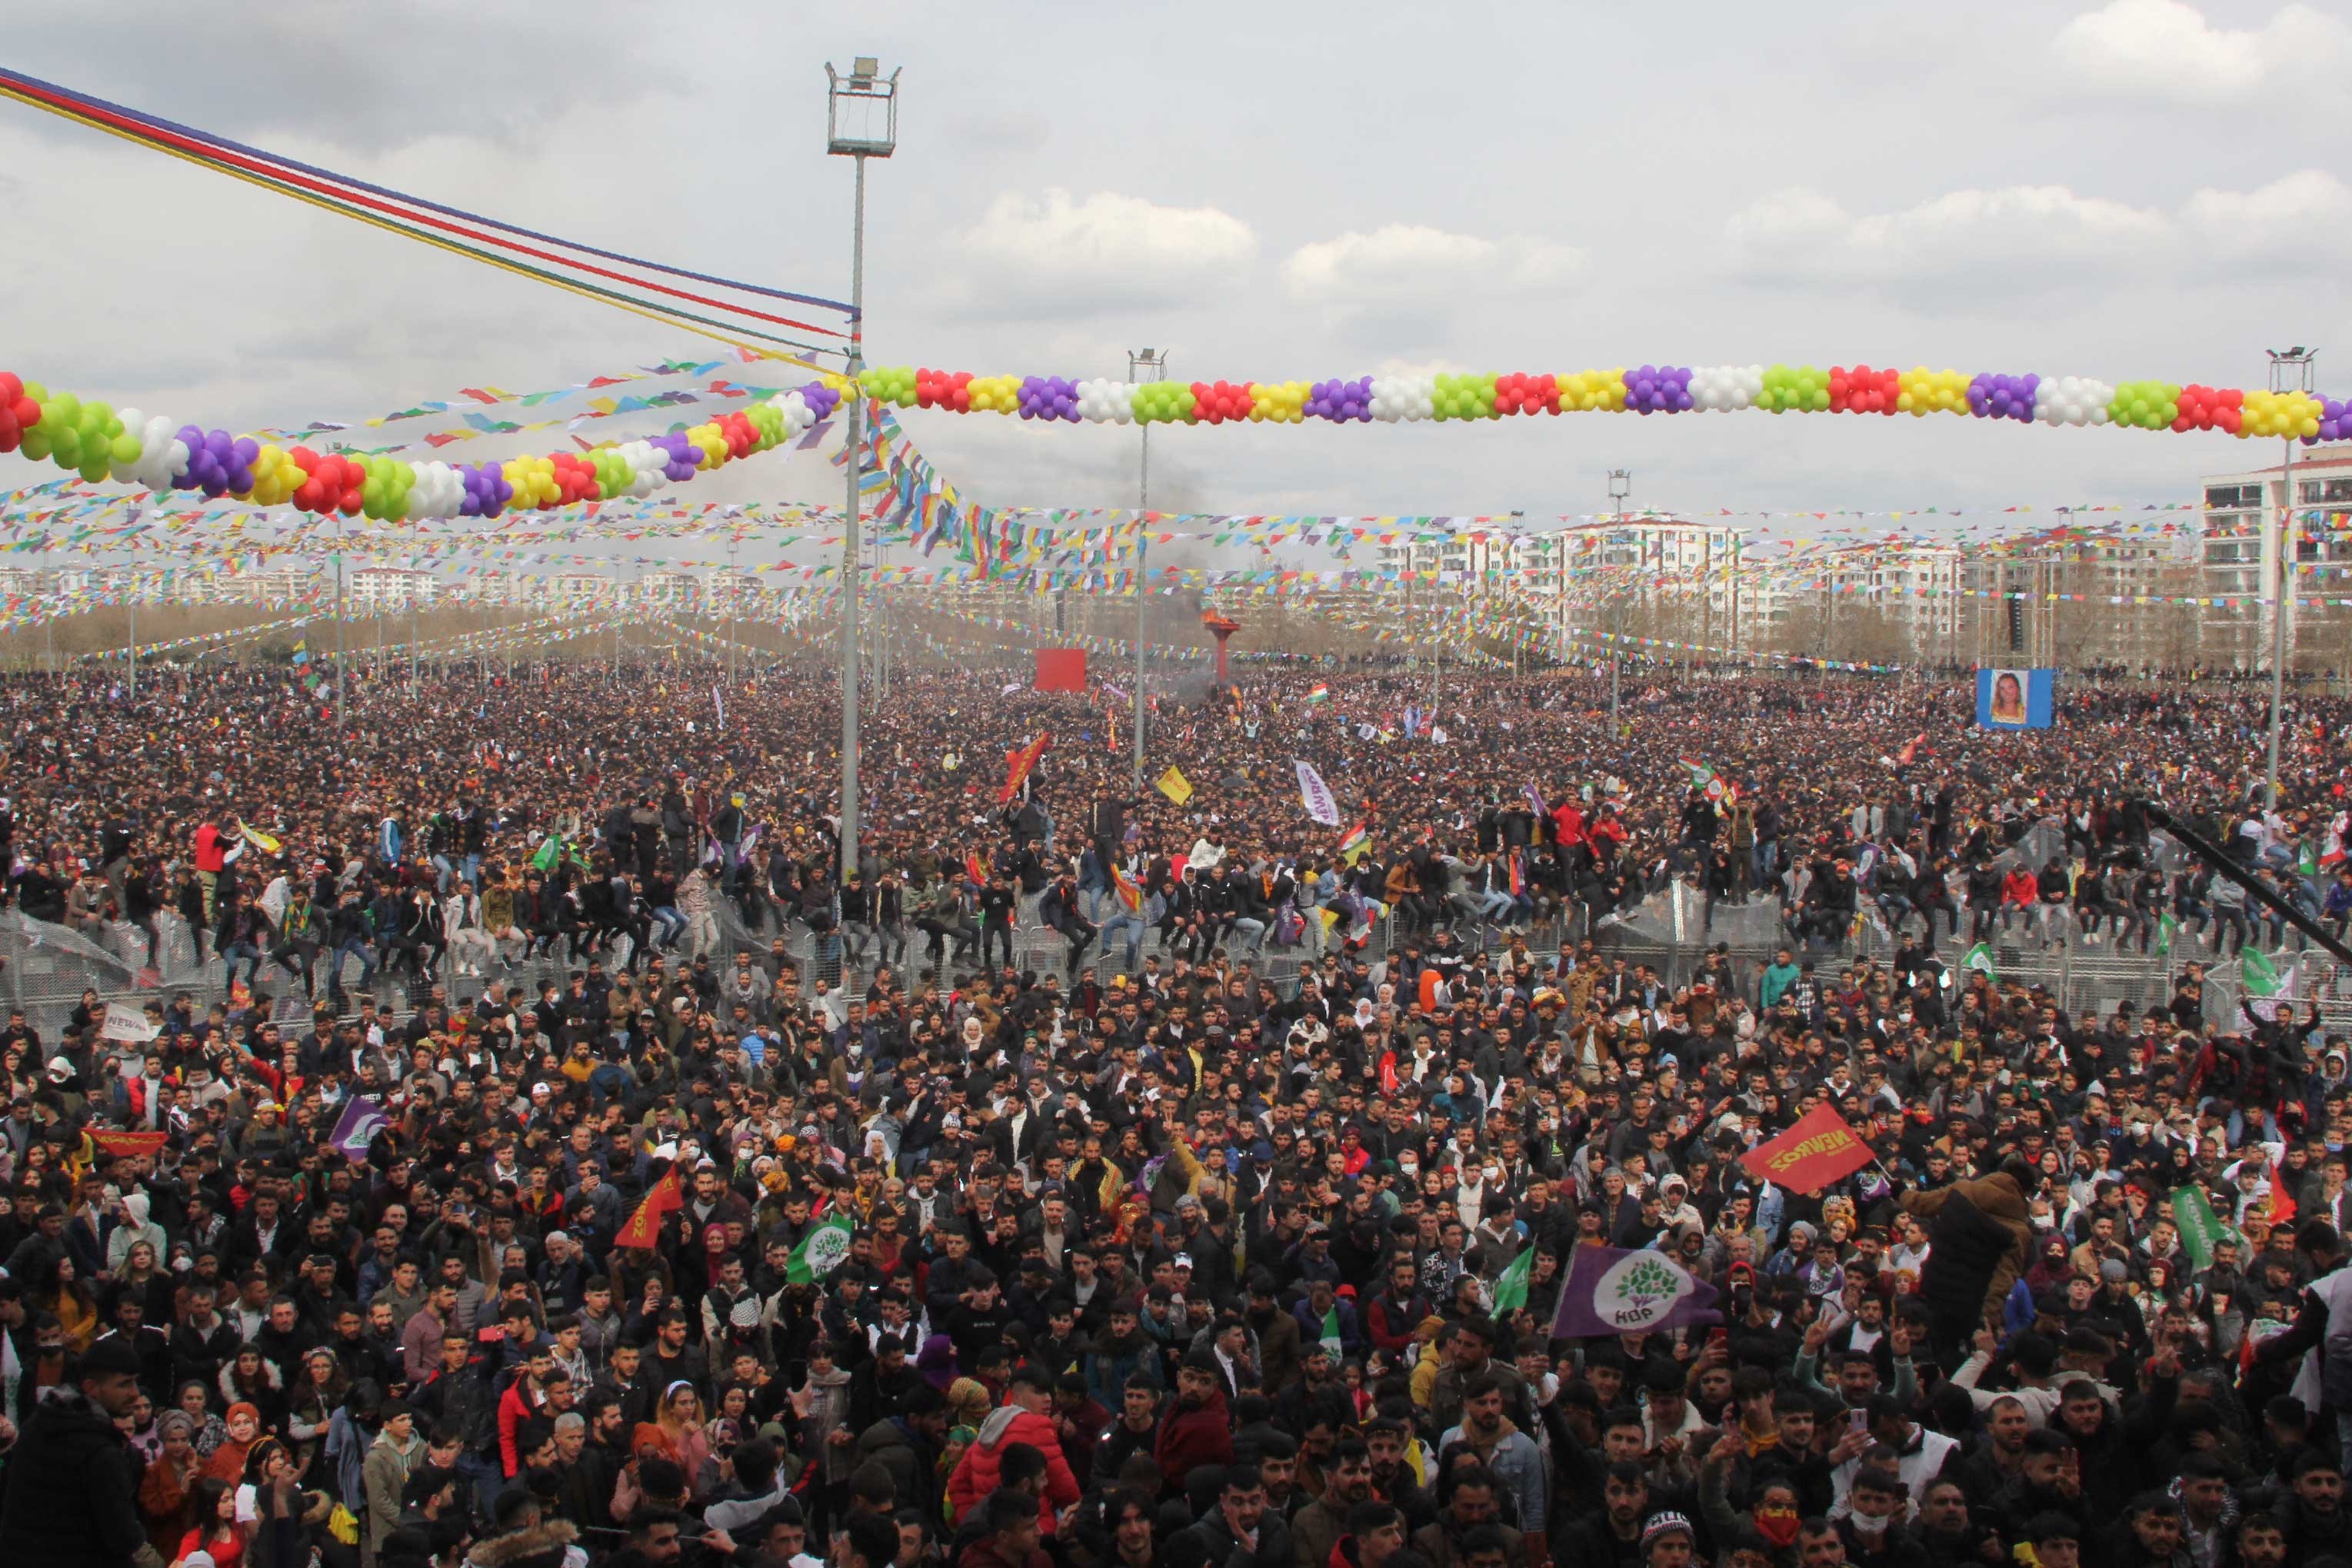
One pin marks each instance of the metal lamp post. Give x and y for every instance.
(1137, 361)
(1620, 486)
(2290, 372)
(861, 122)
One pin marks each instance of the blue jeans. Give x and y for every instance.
(672, 923)
(1134, 925)
(247, 951)
(488, 1479)
(366, 954)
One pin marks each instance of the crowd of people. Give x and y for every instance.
(930, 1252)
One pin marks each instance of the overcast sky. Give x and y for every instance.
(2142, 188)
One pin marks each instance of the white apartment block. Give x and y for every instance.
(2240, 556)
(578, 588)
(1915, 585)
(276, 586)
(373, 589)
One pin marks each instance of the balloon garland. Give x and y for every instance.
(129, 446)
(100, 442)
(1648, 389)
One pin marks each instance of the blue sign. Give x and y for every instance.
(2014, 699)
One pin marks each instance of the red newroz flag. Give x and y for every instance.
(1017, 765)
(664, 1198)
(1817, 1150)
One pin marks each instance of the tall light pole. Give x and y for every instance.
(342, 674)
(1620, 486)
(861, 122)
(130, 602)
(1137, 361)
(2290, 372)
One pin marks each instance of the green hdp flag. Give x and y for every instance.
(1330, 1338)
(550, 851)
(1511, 1289)
(2167, 927)
(820, 1251)
(1981, 958)
(2307, 863)
(2193, 1218)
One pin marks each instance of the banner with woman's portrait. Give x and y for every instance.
(2013, 699)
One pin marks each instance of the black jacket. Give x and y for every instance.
(72, 1498)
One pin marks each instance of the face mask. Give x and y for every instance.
(1865, 1526)
(1777, 1526)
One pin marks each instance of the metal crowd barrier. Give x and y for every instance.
(44, 968)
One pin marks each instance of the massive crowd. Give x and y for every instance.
(915, 1254)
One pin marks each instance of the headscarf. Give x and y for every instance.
(970, 1401)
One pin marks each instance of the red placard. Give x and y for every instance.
(1061, 669)
(1817, 1150)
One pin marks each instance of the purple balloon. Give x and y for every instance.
(1658, 388)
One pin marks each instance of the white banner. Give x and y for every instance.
(1316, 796)
(128, 1023)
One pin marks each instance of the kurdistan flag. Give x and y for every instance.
(820, 1251)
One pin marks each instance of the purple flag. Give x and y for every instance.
(362, 1119)
(1614, 1291)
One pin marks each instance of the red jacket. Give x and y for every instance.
(1202, 1435)
(514, 1409)
(976, 1473)
(210, 856)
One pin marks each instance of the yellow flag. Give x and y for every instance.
(1175, 786)
(258, 840)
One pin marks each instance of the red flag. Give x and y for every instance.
(129, 1146)
(1518, 878)
(1387, 1073)
(973, 869)
(1817, 1150)
(644, 1227)
(1017, 765)
(1911, 749)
